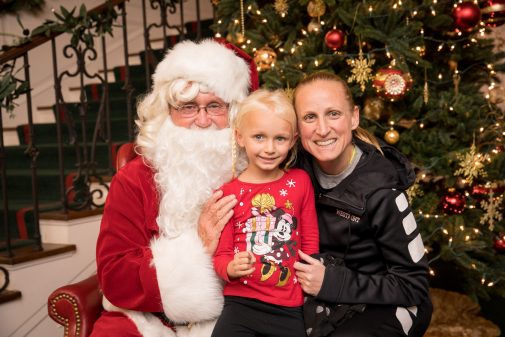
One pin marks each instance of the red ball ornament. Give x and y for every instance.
(392, 84)
(453, 202)
(334, 39)
(479, 191)
(483, 191)
(493, 12)
(466, 16)
(499, 244)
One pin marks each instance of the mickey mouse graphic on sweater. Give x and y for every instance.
(273, 221)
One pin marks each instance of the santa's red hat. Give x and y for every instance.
(227, 71)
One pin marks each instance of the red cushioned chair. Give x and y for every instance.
(77, 306)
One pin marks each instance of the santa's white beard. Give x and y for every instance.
(190, 165)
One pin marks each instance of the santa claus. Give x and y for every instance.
(162, 219)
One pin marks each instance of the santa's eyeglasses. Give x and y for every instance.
(191, 110)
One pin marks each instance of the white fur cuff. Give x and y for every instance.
(190, 289)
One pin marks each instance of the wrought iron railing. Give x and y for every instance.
(87, 179)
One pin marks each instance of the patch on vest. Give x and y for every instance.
(348, 216)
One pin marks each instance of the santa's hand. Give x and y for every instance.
(310, 274)
(216, 213)
(241, 265)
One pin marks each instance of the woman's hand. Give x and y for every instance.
(241, 265)
(310, 274)
(216, 213)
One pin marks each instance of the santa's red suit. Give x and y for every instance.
(155, 274)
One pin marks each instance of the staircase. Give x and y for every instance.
(56, 245)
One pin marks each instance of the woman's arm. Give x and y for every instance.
(405, 280)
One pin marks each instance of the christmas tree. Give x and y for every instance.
(425, 74)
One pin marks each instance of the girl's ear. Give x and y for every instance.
(295, 138)
(238, 137)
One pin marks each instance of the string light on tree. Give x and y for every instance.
(496, 94)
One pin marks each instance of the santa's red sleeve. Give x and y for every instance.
(124, 258)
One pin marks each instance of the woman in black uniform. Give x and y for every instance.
(372, 248)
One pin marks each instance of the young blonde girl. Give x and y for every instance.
(274, 219)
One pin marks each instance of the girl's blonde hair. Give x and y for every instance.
(278, 104)
(359, 132)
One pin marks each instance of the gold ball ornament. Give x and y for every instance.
(316, 8)
(391, 136)
(265, 58)
(314, 26)
(392, 84)
(497, 94)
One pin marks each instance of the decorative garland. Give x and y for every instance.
(83, 28)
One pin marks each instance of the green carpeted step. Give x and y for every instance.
(19, 184)
(205, 30)
(118, 109)
(15, 157)
(154, 57)
(137, 76)
(116, 90)
(46, 133)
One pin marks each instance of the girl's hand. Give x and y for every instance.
(215, 214)
(241, 265)
(310, 274)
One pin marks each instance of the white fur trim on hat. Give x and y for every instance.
(208, 62)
